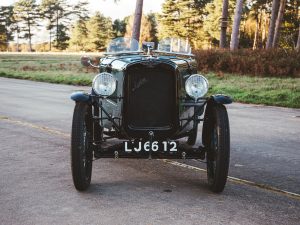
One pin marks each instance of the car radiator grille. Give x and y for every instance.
(151, 97)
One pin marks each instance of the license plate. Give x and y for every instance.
(154, 146)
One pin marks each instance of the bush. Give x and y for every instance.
(263, 63)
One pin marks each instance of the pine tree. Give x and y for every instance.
(224, 23)
(99, 29)
(137, 20)
(79, 36)
(148, 28)
(57, 13)
(290, 25)
(169, 19)
(258, 9)
(119, 28)
(182, 18)
(26, 12)
(3, 38)
(80, 9)
(6, 26)
(234, 43)
(47, 9)
(278, 23)
(62, 37)
(190, 18)
(152, 18)
(275, 7)
(213, 22)
(298, 41)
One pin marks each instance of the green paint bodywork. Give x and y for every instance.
(184, 66)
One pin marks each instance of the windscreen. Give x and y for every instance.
(175, 45)
(123, 44)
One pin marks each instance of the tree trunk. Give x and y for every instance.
(29, 35)
(256, 31)
(275, 7)
(259, 43)
(264, 29)
(7, 42)
(278, 23)
(234, 43)
(137, 20)
(298, 42)
(224, 22)
(56, 30)
(50, 40)
(18, 36)
(7, 38)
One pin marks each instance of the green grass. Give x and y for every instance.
(283, 92)
(66, 69)
(49, 76)
(62, 69)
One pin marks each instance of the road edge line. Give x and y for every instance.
(238, 180)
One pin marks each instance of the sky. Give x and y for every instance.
(107, 7)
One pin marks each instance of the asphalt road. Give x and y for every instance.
(36, 185)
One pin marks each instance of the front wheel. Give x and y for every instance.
(218, 151)
(81, 150)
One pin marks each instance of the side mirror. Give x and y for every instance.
(85, 61)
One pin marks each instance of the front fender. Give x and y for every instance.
(221, 99)
(80, 97)
(206, 130)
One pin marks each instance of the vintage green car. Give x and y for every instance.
(148, 104)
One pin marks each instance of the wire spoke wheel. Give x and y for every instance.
(218, 152)
(87, 154)
(211, 157)
(81, 149)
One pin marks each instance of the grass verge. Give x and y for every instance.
(50, 77)
(60, 69)
(283, 92)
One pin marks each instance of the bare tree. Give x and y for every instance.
(224, 23)
(234, 43)
(278, 23)
(137, 20)
(275, 7)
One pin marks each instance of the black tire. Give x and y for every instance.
(81, 151)
(218, 153)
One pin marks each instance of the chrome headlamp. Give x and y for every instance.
(104, 84)
(196, 86)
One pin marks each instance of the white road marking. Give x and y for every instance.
(238, 180)
(238, 165)
(31, 125)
